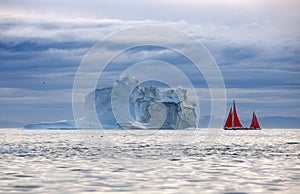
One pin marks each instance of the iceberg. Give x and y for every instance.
(128, 105)
(5, 149)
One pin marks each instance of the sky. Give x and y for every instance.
(256, 45)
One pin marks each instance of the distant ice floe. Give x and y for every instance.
(63, 124)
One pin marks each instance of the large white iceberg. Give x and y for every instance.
(128, 105)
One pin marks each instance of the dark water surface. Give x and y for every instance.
(61, 161)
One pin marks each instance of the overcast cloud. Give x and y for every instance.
(256, 45)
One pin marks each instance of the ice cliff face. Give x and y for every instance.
(128, 105)
(172, 105)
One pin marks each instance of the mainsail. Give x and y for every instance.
(254, 123)
(236, 121)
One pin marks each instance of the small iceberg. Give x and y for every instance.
(5, 149)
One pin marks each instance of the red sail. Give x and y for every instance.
(257, 124)
(236, 121)
(228, 123)
(254, 123)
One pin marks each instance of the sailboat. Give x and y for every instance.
(233, 122)
(254, 123)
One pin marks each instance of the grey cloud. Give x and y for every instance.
(250, 55)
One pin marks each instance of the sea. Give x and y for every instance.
(150, 161)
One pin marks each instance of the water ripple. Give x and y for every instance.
(61, 162)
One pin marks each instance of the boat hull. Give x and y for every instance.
(242, 128)
(254, 129)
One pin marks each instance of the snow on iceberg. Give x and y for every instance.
(129, 105)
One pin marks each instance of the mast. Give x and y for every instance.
(228, 123)
(236, 121)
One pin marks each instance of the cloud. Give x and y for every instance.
(259, 55)
(283, 14)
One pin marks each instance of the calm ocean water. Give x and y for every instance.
(61, 161)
